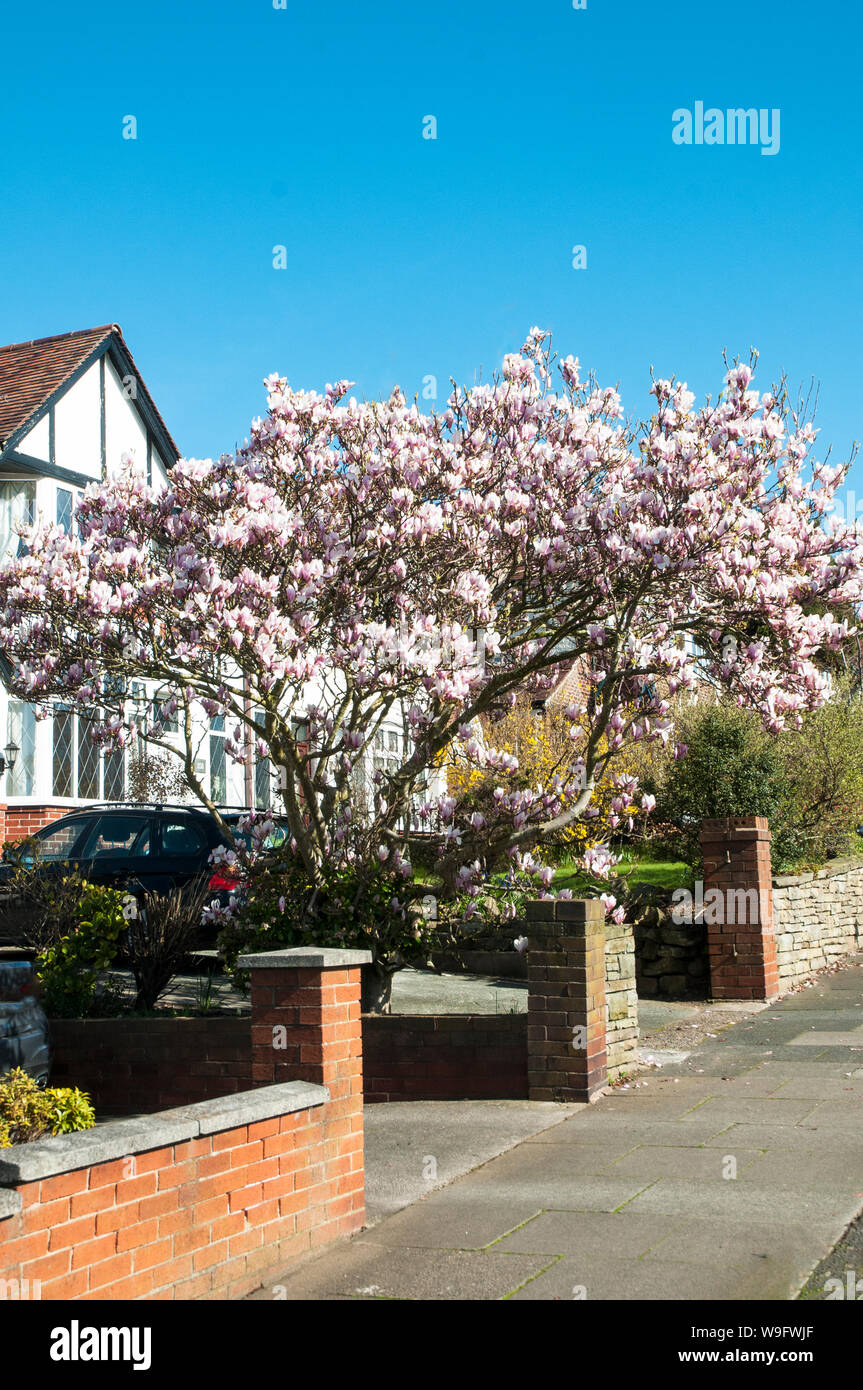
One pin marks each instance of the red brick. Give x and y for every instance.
(155, 1252)
(90, 1252)
(50, 1214)
(116, 1218)
(72, 1232)
(67, 1286)
(63, 1185)
(140, 1234)
(108, 1271)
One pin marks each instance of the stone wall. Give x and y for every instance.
(670, 959)
(818, 918)
(621, 998)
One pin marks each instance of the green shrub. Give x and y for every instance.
(729, 770)
(807, 782)
(69, 969)
(28, 1113)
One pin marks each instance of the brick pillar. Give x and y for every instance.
(306, 1026)
(566, 1013)
(738, 908)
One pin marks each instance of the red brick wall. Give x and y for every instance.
(742, 954)
(24, 820)
(130, 1065)
(207, 1218)
(445, 1057)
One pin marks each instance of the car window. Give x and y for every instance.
(277, 836)
(57, 842)
(180, 837)
(116, 836)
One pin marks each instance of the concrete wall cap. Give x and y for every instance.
(10, 1204)
(310, 957)
(123, 1138)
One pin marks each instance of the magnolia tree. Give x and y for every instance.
(359, 562)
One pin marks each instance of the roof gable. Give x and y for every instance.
(34, 374)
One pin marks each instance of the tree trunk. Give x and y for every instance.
(376, 989)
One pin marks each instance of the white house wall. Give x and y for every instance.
(37, 442)
(124, 430)
(77, 426)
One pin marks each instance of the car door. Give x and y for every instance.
(120, 852)
(184, 848)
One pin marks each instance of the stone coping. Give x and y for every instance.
(10, 1203)
(833, 866)
(314, 957)
(65, 1153)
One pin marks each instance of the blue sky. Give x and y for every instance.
(407, 257)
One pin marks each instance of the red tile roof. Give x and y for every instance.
(31, 372)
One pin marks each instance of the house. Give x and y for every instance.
(71, 406)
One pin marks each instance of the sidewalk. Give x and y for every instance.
(729, 1174)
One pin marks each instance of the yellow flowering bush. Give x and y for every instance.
(540, 740)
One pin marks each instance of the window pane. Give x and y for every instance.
(115, 775)
(63, 733)
(169, 722)
(88, 760)
(263, 769)
(115, 837)
(65, 509)
(21, 728)
(218, 770)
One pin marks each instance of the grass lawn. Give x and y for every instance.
(641, 868)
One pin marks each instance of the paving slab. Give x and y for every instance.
(368, 1270)
(434, 1142)
(802, 1138)
(830, 1211)
(661, 1161)
(457, 1220)
(607, 1280)
(738, 1243)
(838, 1115)
(762, 1110)
(590, 1234)
(620, 1132)
(827, 1169)
(559, 1191)
(820, 1088)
